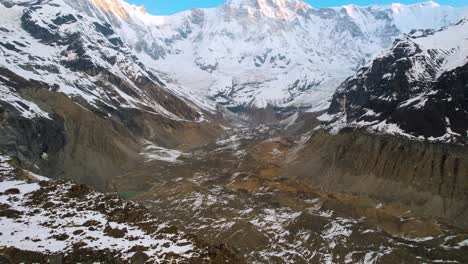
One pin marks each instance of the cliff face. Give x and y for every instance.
(84, 145)
(397, 128)
(431, 179)
(257, 53)
(76, 103)
(417, 89)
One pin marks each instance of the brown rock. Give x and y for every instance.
(138, 248)
(91, 223)
(139, 258)
(56, 259)
(10, 213)
(12, 191)
(48, 205)
(79, 190)
(69, 214)
(78, 232)
(115, 232)
(60, 237)
(14, 255)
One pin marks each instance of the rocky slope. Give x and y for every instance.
(260, 52)
(240, 190)
(428, 178)
(397, 128)
(417, 89)
(77, 103)
(44, 221)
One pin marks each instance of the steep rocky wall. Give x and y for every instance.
(85, 144)
(431, 179)
(96, 148)
(173, 134)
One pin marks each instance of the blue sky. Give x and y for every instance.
(165, 7)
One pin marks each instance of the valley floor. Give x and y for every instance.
(235, 191)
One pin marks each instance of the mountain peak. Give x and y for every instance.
(119, 7)
(279, 9)
(430, 3)
(396, 7)
(240, 3)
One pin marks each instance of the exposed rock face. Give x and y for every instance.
(429, 178)
(390, 124)
(417, 89)
(260, 53)
(77, 104)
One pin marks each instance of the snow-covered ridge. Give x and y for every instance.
(34, 233)
(61, 218)
(452, 41)
(276, 9)
(434, 52)
(121, 8)
(260, 52)
(70, 48)
(415, 89)
(244, 52)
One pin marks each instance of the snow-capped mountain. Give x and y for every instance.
(244, 52)
(102, 93)
(72, 92)
(418, 88)
(259, 52)
(82, 57)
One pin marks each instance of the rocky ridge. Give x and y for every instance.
(75, 98)
(44, 220)
(417, 89)
(256, 53)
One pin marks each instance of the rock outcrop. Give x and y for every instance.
(430, 179)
